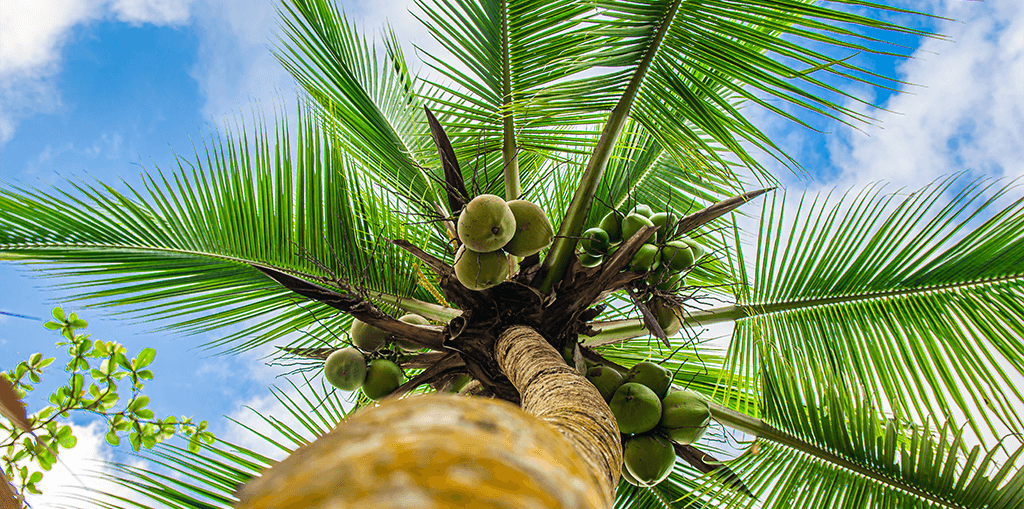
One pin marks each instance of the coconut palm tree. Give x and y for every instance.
(876, 338)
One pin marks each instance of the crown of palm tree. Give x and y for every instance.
(876, 339)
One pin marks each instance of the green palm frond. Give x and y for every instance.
(513, 74)
(718, 54)
(846, 455)
(373, 106)
(181, 249)
(895, 300)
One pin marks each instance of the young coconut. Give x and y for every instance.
(685, 416)
(646, 258)
(367, 337)
(345, 369)
(612, 224)
(677, 254)
(698, 250)
(382, 378)
(651, 375)
(649, 458)
(628, 477)
(479, 271)
(632, 223)
(595, 241)
(664, 221)
(605, 379)
(486, 224)
(414, 319)
(636, 408)
(533, 230)
(642, 209)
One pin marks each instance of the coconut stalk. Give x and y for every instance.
(557, 261)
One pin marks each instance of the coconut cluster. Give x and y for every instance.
(348, 369)
(651, 414)
(490, 229)
(664, 258)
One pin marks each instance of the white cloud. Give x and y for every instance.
(78, 468)
(32, 35)
(968, 113)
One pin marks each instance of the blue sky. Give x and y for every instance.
(103, 89)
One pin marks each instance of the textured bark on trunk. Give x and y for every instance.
(558, 395)
(426, 451)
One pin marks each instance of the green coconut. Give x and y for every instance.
(628, 477)
(649, 458)
(632, 223)
(382, 378)
(486, 224)
(479, 271)
(677, 254)
(642, 209)
(589, 260)
(414, 319)
(664, 221)
(698, 250)
(651, 375)
(367, 337)
(533, 230)
(685, 415)
(646, 258)
(345, 369)
(636, 408)
(612, 223)
(595, 241)
(668, 319)
(606, 379)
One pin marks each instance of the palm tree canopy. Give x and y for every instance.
(876, 341)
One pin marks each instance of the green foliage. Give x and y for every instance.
(96, 368)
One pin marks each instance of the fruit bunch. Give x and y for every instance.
(348, 370)
(651, 415)
(490, 229)
(664, 257)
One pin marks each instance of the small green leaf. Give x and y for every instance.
(193, 444)
(46, 362)
(113, 439)
(136, 440)
(34, 359)
(78, 323)
(144, 413)
(35, 477)
(138, 404)
(122, 361)
(58, 314)
(207, 437)
(145, 357)
(148, 441)
(53, 325)
(145, 374)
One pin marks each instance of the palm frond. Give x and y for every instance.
(374, 107)
(897, 300)
(180, 250)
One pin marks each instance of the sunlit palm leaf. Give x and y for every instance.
(373, 106)
(180, 251)
(899, 302)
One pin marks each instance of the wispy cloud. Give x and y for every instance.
(966, 115)
(32, 35)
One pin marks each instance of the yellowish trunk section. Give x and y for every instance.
(433, 451)
(558, 395)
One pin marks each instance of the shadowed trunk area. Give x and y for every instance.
(558, 395)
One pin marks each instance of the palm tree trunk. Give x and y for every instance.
(561, 449)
